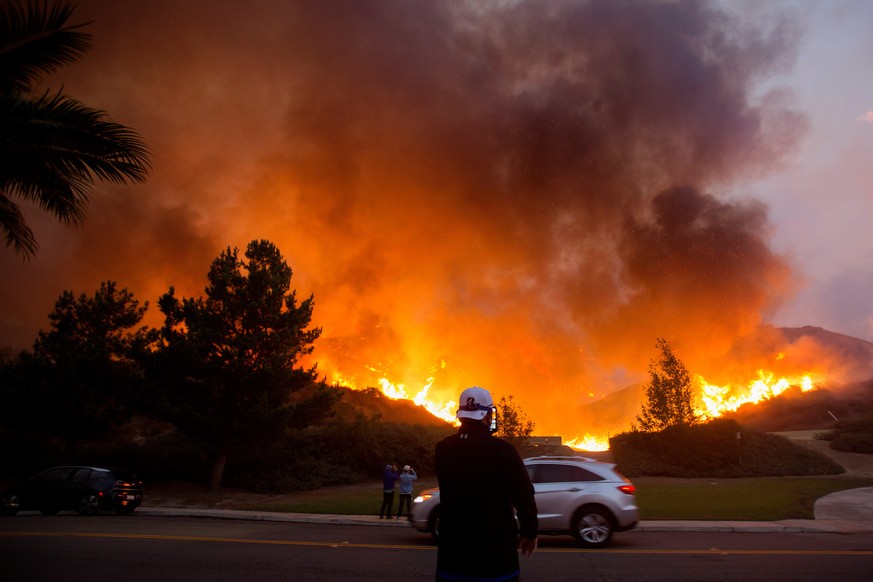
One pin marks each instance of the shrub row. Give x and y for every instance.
(720, 448)
(853, 436)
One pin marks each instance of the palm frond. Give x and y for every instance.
(72, 138)
(52, 149)
(16, 232)
(35, 40)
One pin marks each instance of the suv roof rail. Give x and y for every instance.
(561, 458)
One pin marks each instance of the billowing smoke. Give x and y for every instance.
(521, 194)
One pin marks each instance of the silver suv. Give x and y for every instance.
(575, 495)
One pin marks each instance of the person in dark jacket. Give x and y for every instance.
(483, 487)
(389, 477)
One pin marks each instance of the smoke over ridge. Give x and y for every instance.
(521, 195)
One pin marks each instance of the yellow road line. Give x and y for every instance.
(210, 539)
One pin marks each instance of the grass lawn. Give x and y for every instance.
(362, 499)
(755, 499)
(760, 499)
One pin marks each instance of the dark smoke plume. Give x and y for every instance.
(521, 195)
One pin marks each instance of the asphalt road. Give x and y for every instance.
(74, 548)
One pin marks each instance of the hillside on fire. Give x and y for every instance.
(356, 431)
(786, 358)
(373, 404)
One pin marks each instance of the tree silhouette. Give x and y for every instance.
(82, 376)
(227, 364)
(511, 420)
(52, 147)
(669, 398)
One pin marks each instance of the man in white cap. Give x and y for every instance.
(483, 487)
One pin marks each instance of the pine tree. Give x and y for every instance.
(669, 398)
(228, 364)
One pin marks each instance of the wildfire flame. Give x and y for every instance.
(588, 442)
(713, 400)
(445, 411)
(398, 392)
(716, 400)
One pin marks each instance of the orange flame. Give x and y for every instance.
(588, 442)
(398, 392)
(716, 400)
(394, 391)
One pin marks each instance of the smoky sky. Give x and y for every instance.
(520, 195)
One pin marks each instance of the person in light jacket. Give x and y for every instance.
(406, 478)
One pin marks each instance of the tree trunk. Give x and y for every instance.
(217, 471)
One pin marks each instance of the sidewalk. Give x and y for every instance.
(849, 511)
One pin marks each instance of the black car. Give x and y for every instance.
(87, 490)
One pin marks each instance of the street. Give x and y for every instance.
(70, 547)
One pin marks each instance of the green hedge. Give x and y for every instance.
(713, 449)
(853, 436)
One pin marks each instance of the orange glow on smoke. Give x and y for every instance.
(716, 400)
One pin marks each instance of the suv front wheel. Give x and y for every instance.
(89, 505)
(592, 527)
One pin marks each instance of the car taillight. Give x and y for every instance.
(629, 489)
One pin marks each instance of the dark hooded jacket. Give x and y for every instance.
(483, 483)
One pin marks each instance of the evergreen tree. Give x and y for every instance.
(81, 378)
(511, 420)
(669, 398)
(227, 364)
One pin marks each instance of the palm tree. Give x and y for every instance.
(52, 147)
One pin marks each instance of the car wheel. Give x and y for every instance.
(49, 510)
(9, 504)
(89, 505)
(592, 527)
(434, 523)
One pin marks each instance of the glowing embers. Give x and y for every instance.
(716, 400)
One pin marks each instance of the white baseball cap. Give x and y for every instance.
(475, 402)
